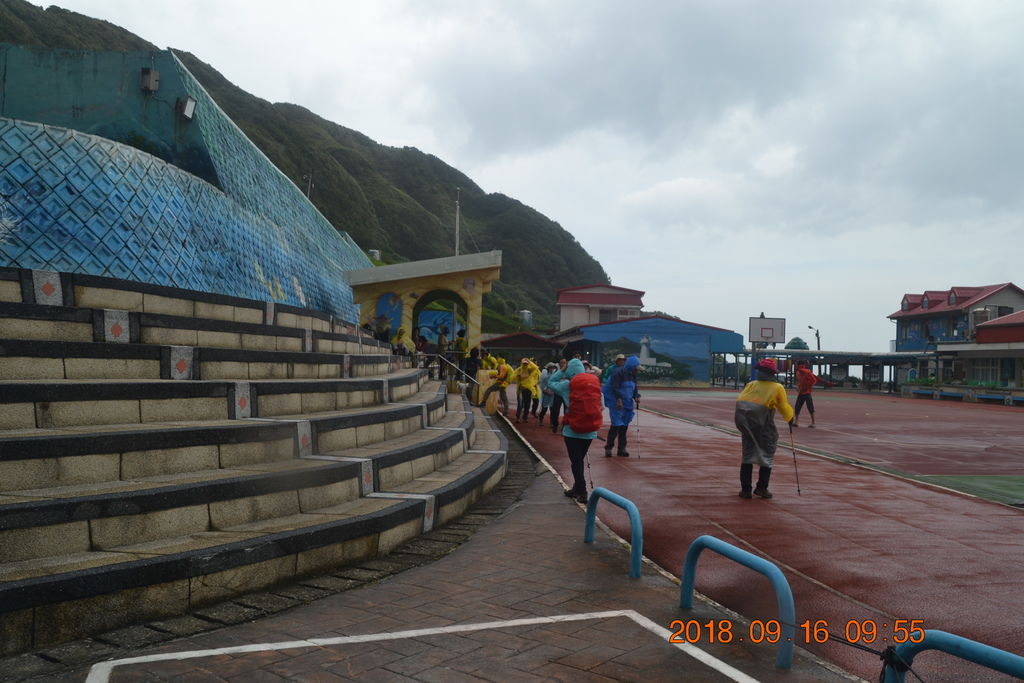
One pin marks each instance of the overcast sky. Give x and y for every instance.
(810, 160)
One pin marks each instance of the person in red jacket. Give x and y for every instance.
(805, 381)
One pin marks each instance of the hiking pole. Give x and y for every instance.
(792, 447)
(638, 432)
(590, 474)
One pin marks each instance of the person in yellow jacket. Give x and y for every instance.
(527, 376)
(501, 375)
(487, 361)
(755, 418)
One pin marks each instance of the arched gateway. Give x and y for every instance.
(409, 287)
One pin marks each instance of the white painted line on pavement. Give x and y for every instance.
(100, 673)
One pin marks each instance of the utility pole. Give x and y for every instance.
(309, 183)
(455, 305)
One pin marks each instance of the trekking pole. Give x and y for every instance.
(638, 432)
(590, 474)
(792, 447)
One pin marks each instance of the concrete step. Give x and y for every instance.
(24, 359)
(52, 600)
(90, 291)
(57, 520)
(56, 404)
(74, 324)
(75, 454)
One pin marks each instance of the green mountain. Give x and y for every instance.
(398, 200)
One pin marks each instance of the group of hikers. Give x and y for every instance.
(583, 391)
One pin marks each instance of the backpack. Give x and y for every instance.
(585, 409)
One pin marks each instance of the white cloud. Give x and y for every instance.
(812, 160)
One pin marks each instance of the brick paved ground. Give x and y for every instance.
(528, 562)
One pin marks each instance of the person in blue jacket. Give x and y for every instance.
(576, 445)
(621, 398)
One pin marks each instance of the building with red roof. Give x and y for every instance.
(976, 333)
(589, 304)
(951, 315)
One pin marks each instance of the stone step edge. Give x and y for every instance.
(120, 326)
(63, 659)
(45, 512)
(27, 593)
(55, 391)
(30, 446)
(160, 496)
(53, 288)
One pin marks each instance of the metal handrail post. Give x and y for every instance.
(958, 646)
(783, 593)
(636, 529)
(456, 368)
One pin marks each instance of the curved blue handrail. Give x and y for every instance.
(783, 593)
(964, 648)
(636, 528)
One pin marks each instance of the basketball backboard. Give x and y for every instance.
(768, 330)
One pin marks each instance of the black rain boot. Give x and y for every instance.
(610, 442)
(763, 475)
(746, 475)
(543, 412)
(623, 453)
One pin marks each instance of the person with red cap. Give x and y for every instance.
(755, 418)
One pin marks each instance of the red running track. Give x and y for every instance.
(857, 544)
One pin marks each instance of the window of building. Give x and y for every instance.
(985, 370)
(952, 299)
(1005, 310)
(905, 306)
(924, 302)
(628, 313)
(606, 315)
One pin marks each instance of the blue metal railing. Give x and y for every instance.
(636, 540)
(958, 646)
(783, 593)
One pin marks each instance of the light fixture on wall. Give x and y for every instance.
(150, 80)
(187, 108)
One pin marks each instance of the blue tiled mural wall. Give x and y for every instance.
(75, 202)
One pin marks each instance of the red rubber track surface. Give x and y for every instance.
(857, 544)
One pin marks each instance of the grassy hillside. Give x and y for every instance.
(398, 200)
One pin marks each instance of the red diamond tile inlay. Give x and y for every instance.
(181, 366)
(48, 288)
(117, 330)
(243, 402)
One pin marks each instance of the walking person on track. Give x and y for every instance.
(556, 399)
(581, 393)
(805, 381)
(622, 399)
(501, 375)
(755, 418)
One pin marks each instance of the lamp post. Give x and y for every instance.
(817, 335)
(817, 341)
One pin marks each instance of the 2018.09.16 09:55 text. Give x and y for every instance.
(866, 631)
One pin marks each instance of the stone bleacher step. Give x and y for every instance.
(24, 359)
(48, 404)
(83, 502)
(101, 590)
(72, 324)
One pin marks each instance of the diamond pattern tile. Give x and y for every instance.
(82, 203)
